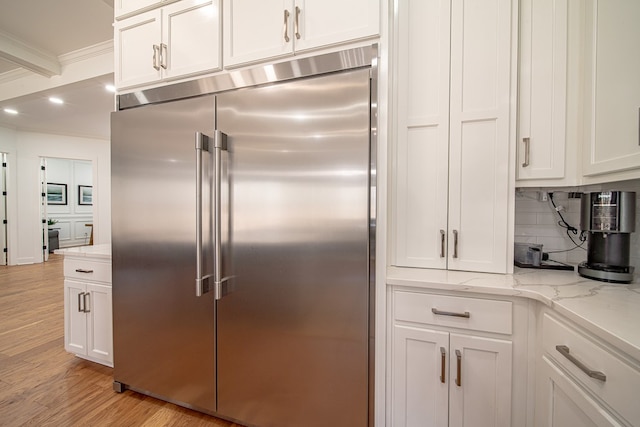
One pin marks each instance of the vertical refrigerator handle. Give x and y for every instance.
(219, 145)
(202, 144)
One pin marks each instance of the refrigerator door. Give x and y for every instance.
(292, 331)
(164, 336)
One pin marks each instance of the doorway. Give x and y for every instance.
(4, 243)
(67, 206)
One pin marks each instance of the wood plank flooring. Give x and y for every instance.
(42, 385)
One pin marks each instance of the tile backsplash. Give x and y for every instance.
(537, 221)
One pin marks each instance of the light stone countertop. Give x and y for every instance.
(102, 251)
(609, 311)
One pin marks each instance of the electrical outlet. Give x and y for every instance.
(543, 196)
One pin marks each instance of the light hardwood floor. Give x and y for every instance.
(42, 385)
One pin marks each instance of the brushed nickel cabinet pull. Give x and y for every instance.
(285, 29)
(564, 350)
(442, 237)
(87, 302)
(297, 23)
(82, 270)
(437, 312)
(163, 55)
(459, 369)
(80, 300)
(443, 363)
(156, 55)
(527, 151)
(455, 243)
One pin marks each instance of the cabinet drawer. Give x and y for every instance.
(483, 314)
(621, 380)
(90, 270)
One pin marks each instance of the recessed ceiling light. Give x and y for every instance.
(56, 100)
(110, 88)
(10, 111)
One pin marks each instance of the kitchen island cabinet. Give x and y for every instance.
(88, 329)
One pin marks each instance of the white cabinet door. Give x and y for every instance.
(453, 130)
(480, 386)
(190, 38)
(326, 22)
(137, 49)
(75, 320)
(480, 111)
(255, 30)
(542, 89)
(125, 7)
(612, 89)
(419, 391)
(99, 323)
(560, 402)
(422, 122)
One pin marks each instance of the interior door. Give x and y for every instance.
(3, 210)
(293, 331)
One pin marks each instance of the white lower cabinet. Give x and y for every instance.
(563, 403)
(582, 381)
(449, 366)
(88, 330)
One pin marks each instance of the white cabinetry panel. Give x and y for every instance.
(612, 91)
(454, 77)
(257, 30)
(543, 89)
(177, 40)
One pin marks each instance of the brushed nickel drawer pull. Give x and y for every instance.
(82, 270)
(443, 363)
(459, 370)
(564, 350)
(437, 312)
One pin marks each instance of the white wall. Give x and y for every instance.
(25, 149)
(536, 222)
(72, 217)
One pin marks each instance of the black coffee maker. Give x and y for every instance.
(609, 219)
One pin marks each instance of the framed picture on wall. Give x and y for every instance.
(85, 195)
(56, 194)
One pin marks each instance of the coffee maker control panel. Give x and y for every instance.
(604, 215)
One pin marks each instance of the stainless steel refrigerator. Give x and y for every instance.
(243, 240)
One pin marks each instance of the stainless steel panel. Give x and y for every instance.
(264, 74)
(164, 335)
(293, 337)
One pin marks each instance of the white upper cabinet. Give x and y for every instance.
(174, 41)
(256, 30)
(127, 7)
(453, 111)
(612, 88)
(542, 89)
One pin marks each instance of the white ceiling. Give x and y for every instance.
(50, 29)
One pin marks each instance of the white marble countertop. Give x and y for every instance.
(610, 311)
(102, 251)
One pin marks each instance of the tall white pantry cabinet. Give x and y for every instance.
(454, 78)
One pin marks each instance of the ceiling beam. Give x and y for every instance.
(28, 57)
